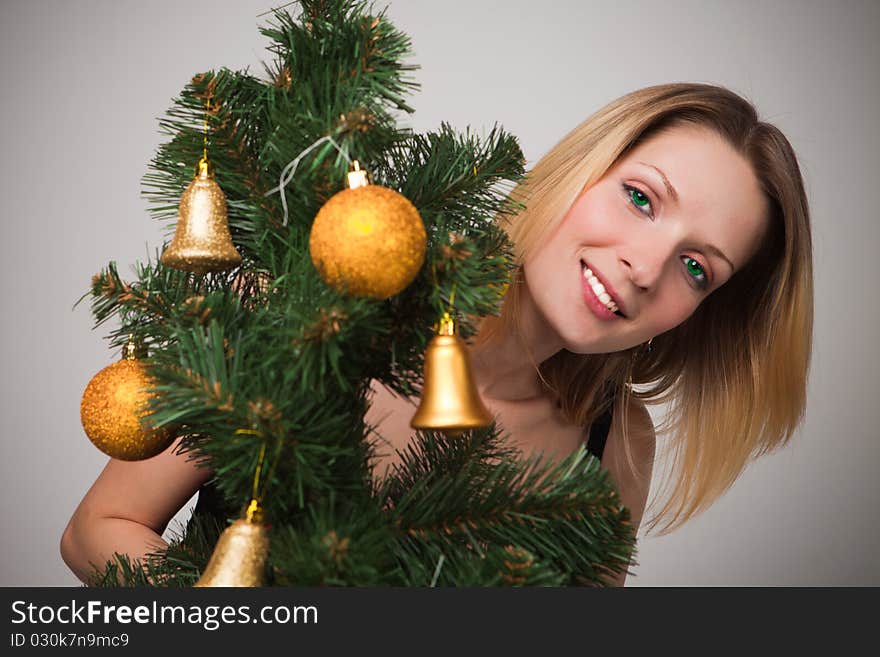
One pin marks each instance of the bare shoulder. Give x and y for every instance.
(387, 408)
(388, 417)
(633, 481)
(639, 427)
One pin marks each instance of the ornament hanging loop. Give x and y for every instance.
(205, 134)
(254, 512)
(290, 169)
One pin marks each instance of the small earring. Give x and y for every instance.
(648, 347)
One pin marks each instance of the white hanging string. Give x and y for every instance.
(290, 169)
(437, 571)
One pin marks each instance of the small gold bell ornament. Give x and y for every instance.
(112, 407)
(450, 401)
(202, 242)
(239, 558)
(367, 240)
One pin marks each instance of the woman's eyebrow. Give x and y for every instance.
(669, 188)
(714, 249)
(674, 194)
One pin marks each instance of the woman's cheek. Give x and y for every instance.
(676, 310)
(603, 219)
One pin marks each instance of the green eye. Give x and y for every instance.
(639, 199)
(695, 269)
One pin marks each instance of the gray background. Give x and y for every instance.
(84, 82)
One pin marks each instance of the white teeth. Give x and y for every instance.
(599, 290)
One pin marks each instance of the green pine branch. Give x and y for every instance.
(566, 513)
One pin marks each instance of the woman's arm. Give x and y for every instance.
(632, 488)
(127, 509)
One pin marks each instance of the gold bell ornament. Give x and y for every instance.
(367, 240)
(202, 242)
(112, 407)
(239, 558)
(450, 401)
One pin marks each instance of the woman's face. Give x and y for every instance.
(647, 231)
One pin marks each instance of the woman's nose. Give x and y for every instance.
(644, 263)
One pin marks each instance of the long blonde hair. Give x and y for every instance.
(735, 372)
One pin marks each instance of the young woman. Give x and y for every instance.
(664, 256)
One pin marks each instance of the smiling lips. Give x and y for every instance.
(597, 296)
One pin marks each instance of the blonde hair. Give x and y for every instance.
(735, 372)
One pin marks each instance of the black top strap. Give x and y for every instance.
(210, 500)
(599, 433)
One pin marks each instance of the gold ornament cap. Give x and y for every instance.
(357, 177)
(447, 325)
(133, 349)
(205, 169)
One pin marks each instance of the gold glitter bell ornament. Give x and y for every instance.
(450, 401)
(202, 242)
(239, 558)
(367, 240)
(112, 408)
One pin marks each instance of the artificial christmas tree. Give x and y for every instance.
(264, 370)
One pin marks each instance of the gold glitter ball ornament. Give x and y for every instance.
(368, 241)
(111, 409)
